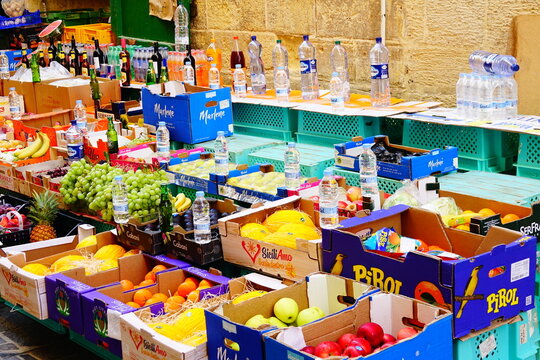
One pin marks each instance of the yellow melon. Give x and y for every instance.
(282, 239)
(110, 252)
(301, 231)
(254, 231)
(166, 330)
(65, 262)
(87, 241)
(108, 264)
(36, 269)
(282, 217)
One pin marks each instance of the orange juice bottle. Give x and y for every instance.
(213, 54)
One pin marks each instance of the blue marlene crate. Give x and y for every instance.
(389, 186)
(240, 146)
(29, 18)
(193, 182)
(528, 161)
(313, 159)
(436, 161)
(504, 188)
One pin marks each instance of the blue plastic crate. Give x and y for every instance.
(17, 21)
(389, 186)
(528, 161)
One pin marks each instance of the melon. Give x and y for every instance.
(282, 239)
(110, 252)
(36, 269)
(54, 29)
(282, 217)
(87, 241)
(301, 231)
(254, 231)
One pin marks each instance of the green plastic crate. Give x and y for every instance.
(267, 133)
(313, 159)
(528, 161)
(240, 146)
(393, 128)
(263, 120)
(48, 323)
(389, 186)
(319, 140)
(96, 350)
(479, 149)
(75, 17)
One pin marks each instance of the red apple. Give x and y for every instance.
(406, 332)
(345, 339)
(355, 351)
(359, 204)
(308, 349)
(354, 193)
(342, 204)
(372, 332)
(315, 199)
(327, 349)
(361, 343)
(388, 338)
(384, 346)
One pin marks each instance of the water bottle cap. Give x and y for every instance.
(74, 122)
(188, 62)
(238, 66)
(118, 178)
(161, 123)
(221, 133)
(515, 67)
(367, 146)
(199, 193)
(378, 40)
(213, 40)
(281, 67)
(278, 41)
(291, 144)
(78, 101)
(253, 37)
(337, 42)
(235, 37)
(328, 172)
(213, 65)
(306, 37)
(335, 73)
(11, 89)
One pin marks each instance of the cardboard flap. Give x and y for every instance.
(497, 236)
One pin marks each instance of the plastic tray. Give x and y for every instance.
(272, 122)
(528, 161)
(17, 21)
(389, 186)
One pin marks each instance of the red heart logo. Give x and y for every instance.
(253, 250)
(7, 275)
(137, 339)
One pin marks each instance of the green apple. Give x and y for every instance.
(286, 310)
(235, 346)
(276, 322)
(257, 321)
(309, 315)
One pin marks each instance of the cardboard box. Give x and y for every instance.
(26, 89)
(495, 279)
(392, 312)
(49, 119)
(227, 322)
(436, 161)
(50, 97)
(193, 114)
(102, 308)
(7, 178)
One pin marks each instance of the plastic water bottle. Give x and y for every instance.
(328, 199)
(368, 176)
(280, 57)
(484, 98)
(181, 30)
(282, 84)
(380, 79)
(240, 89)
(120, 200)
(460, 96)
(75, 145)
(213, 77)
(468, 94)
(256, 66)
(308, 70)
(484, 62)
(80, 116)
(337, 93)
(340, 64)
(511, 96)
(292, 167)
(4, 66)
(163, 145)
(499, 100)
(189, 73)
(14, 104)
(221, 154)
(201, 219)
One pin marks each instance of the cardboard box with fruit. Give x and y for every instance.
(410, 251)
(238, 328)
(381, 326)
(397, 161)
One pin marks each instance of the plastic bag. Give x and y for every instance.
(53, 71)
(444, 206)
(406, 195)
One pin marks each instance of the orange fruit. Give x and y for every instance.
(193, 296)
(186, 287)
(468, 212)
(151, 301)
(193, 280)
(141, 296)
(203, 287)
(158, 268)
(486, 212)
(150, 276)
(160, 296)
(146, 283)
(465, 227)
(126, 285)
(174, 302)
(205, 283)
(509, 218)
(133, 304)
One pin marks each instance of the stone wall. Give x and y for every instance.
(429, 40)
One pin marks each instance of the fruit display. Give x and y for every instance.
(249, 295)
(199, 168)
(258, 181)
(349, 201)
(181, 203)
(43, 212)
(286, 313)
(12, 220)
(37, 149)
(11, 144)
(185, 220)
(130, 159)
(390, 154)
(53, 173)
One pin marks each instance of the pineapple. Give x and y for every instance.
(43, 212)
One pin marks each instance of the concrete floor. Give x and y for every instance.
(22, 338)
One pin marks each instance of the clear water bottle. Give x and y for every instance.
(308, 70)
(80, 116)
(484, 98)
(282, 84)
(75, 144)
(380, 79)
(280, 58)
(221, 154)
(240, 89)
(292, 167)
(181, 28)
(163, 145)
(337, 93)
(120, 200)
(499, 99)
(368, 176)
(256, 66)
(340, 64)
(4, 66)
(468, 96)
(511, 96)
(460, 96)
(213, 77)
(328, 199)
(189, 73)
(14, 104)
(201, 219)
(487, 63)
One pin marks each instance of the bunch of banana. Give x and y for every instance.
(181, 203)
(37, 149)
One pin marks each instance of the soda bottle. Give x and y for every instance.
(201, 219)
(112, 138)
(14, 104)
(201, 66)
(189, 75)
(221, 154)
(151, 73)
(337, 92)
(328, 199)
(75, 145)
(340, 64)
(380, 81)
(181, 28)
(258, 80)
(280, 57)
(368, 176)
(282, 84)
(120, 200)
(214, 55)
(213, 77)
(308, 70)
(239, 80)
(164, 72)
(4, 66)
(163, 145)
(292, 166)
(36, 76)
(80, 116)
(237, 56)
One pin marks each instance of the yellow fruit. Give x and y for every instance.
(166, 330)
(468, 212)
(282, 217)
(254, 231)
(63, 268)
(247, 296)
(486, 212)
(509, 218)
(465, 227)
(195, 340)
(87, 241)
(68, 261)
(190, 322)
(282, 239)
(132, 252)
(36, 269)
(109, 252)
(301, 231)
(108, 264)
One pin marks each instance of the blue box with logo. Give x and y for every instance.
(423, 163)
(14, 56)
(193, 114)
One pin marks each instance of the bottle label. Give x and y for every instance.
(156, 67)
(72, 70)
(75, 151)
(328, 210)
(511, 103)
(84, 71)
(14, 109)
(292, 175)
(336, 100)
(4, 69)
(163, 149)
(214, 86)
(239, 88)
(122, 208)
(201, 226)
(81, 124)
(124, 77)
(308, 66)
(210, 58)
(96, 62)
(379, 71)
(222, 161)
(282, 91)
